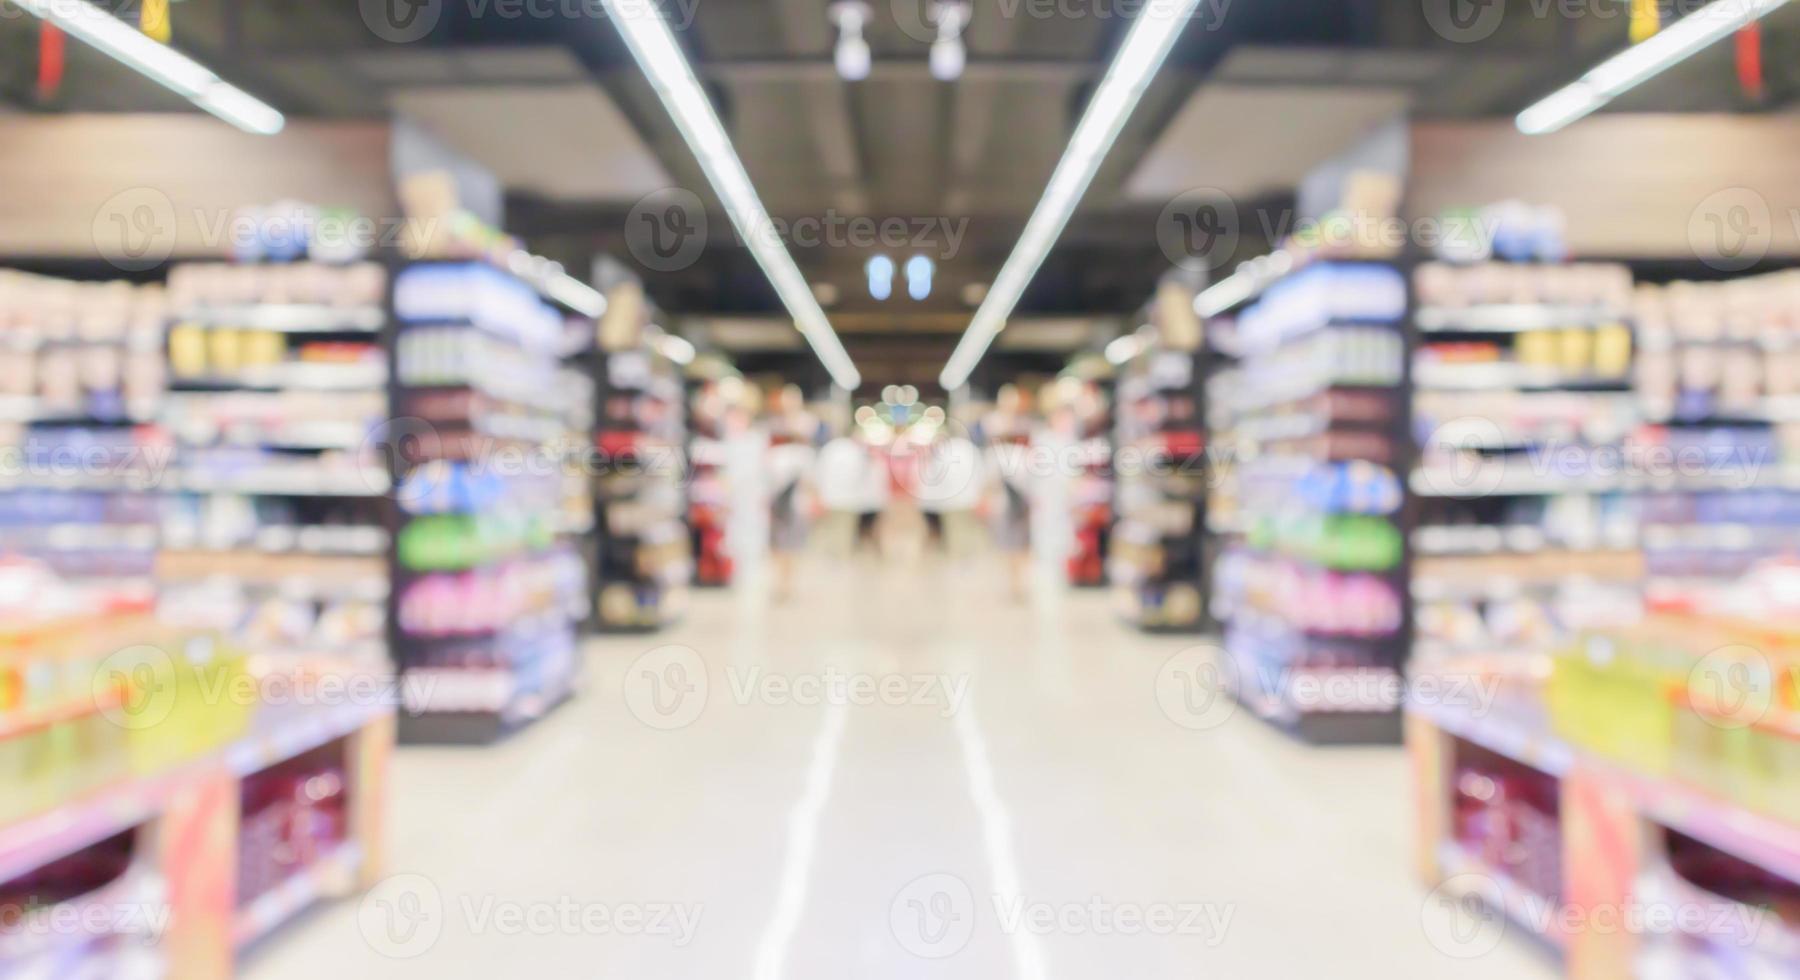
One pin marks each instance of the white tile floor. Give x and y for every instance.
(1032, 813)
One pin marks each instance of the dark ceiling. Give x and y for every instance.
(968, 157)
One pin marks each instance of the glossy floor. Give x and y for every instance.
(900, 773)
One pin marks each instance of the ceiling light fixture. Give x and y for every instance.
(1124, 348)
(881, 277)
(551, 278)
(676, 349)
(918, 277)
(1641, 62)
(947, 52)
(1247, 281)
(654, 47)
(1151, 36)
(158, 62)
(852, 54)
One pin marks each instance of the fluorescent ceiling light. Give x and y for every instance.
(1148, 42)
(918, 277)
(1122, 349)
(158, 62)
(1248, 280)
(1641, 62)
(654, 47)
(676, 349)
(550, 277)
(578, 295)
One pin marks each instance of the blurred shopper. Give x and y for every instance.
(1055, 445)
(1005, 435)
(950, 490)
(793, 499)
(877, 490)
(745, 469)
(843, 477)
(902, 529)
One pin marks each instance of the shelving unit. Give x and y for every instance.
(487, 588)
(709, 501)
(1157, 561)
(83, 387)
(275, 516)
(1619, 828)
(1524, 536)
(199, 522)
(1315, 414)
(1607, 694)
(644, 559)
(162, 799)
(1089, 399)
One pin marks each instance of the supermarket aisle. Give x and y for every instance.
(1003, 795)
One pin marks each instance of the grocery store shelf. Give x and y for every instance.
(63, 829)
(29, 410)
(1468, 875)
(297, 736)
(332, 876)
(1488, 539)
(1519, 741)
(1762, 840)
(290, 376)
(16, 723)
(1524, 480)
(370, 482)
(1769, 935)
(1505, 376)
(35, 841)
(96, 482)
(289, 317)
(1510, 318)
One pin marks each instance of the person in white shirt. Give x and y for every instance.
(792, 500)
(843, 477)
(950, 489)
(1005, 435)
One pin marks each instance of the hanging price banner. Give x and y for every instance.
(153, 20)
(1646, 20)
(51, 59)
